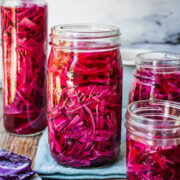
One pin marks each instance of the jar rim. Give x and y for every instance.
(151, 103)
(153, 116)
(158, 59)
(84, 31)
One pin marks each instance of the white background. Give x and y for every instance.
(139, 20)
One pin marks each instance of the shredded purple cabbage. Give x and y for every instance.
(149, 84)
(24, 42)
(84, 107)
(152, 163)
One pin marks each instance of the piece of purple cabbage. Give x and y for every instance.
(14, 167)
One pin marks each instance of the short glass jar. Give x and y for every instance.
(153, 140)
(84, 95)
(157, 76)
(24, 49)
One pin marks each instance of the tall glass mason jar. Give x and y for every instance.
(84, 95)
(24, 48)
(157, 76)
(153, 140)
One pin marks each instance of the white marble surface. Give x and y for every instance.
(140, 21)
(154, 47)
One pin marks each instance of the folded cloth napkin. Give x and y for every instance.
(47, 167)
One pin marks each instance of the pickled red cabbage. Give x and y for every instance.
(152, 163)
(150, 84)
(24, 42)
(84, 107)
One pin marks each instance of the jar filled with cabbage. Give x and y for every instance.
(84, 95)
(24, 48)
(153, 140)
(157, 76)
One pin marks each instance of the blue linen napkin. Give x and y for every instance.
(47, 167)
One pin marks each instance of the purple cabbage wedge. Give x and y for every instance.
(14, 167)
(84, 107)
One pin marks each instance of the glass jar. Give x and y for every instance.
(84, 95)
(153, 140)
(157, 76)
(24, 47)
